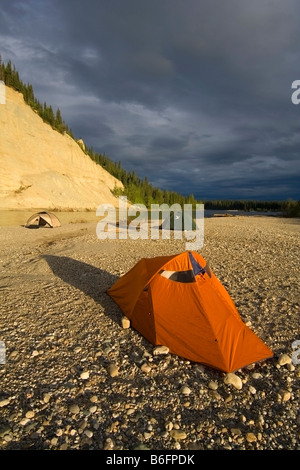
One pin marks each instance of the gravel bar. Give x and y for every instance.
(74, 377)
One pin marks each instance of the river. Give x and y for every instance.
(20, 217)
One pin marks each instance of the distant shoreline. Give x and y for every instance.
(15, 217)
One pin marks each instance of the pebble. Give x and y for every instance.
(178, 435)
(4, 402)
(215, 395)
(113, 370)
(284, 359)
(250, 437)
(236, 431)
(85, 375)
(169, 426)
(228, 398)
(233, 379)
(46, 397)
(146, 368)
(109, 444)
(285, 395)
(4, 430)
(24, 421)
(125, 322)
(160, 350)
(256, 375)
(74, 409)
(213, 385)
(88, 433)
(185, 390)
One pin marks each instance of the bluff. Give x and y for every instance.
(43, 169)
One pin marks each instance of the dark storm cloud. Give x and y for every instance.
(170, 144)
(195, 95)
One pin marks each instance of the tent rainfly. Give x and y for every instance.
(42, 219)
(178, 302)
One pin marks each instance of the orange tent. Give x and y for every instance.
(178, 302)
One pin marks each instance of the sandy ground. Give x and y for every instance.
(62, 333)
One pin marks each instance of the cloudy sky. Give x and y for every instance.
(193, 94)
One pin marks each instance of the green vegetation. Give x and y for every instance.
(137, 190)
(10, 76)
(291, 208)
(248, 206)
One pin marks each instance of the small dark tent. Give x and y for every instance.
(42, 219)
(178, 221)
(178, 302)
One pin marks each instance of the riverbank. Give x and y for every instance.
(13, 218)
(74, 378)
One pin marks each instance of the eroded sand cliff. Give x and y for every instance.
(41, 168)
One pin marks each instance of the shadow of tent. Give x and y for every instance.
(92, 281)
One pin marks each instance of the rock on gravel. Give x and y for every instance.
(233, 379)
(125, 322)
(284, 359)
(158, 350)
(113, 370)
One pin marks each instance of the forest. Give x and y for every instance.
(137, 189)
